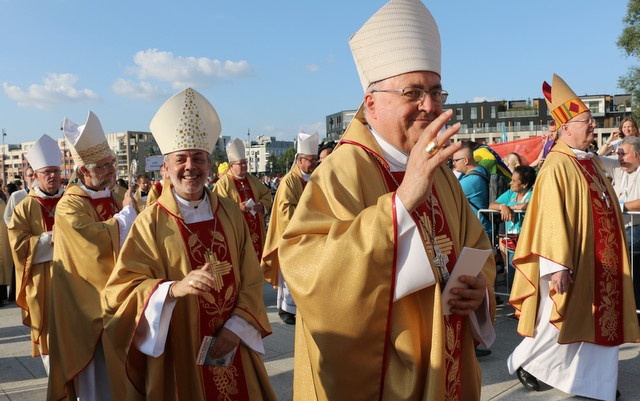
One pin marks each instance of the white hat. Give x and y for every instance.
(186, 121)
(235, 151)
(308, 144)
(45, 152)
(88, 143)
(400, 37)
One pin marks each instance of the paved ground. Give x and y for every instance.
(23, 377)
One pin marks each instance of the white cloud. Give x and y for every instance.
(312, 68)
(56, 89)
(137, 90)
(181, 72)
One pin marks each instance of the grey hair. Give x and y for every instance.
(634, 141)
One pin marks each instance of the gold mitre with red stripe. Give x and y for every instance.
(563, 103)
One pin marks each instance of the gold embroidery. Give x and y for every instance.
(609, 291)
(224, 377)
(452, 362)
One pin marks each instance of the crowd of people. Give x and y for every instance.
(153, 290)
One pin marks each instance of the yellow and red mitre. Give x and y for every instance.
(562, 101)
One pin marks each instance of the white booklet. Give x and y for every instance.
(204, 355)
(470, 262)
(249, 205)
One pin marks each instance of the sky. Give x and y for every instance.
(276, 68)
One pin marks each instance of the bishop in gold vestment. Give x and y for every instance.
(352, 341)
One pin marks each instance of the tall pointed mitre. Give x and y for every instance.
(45, 152)
(308, 144)
(563, 103)
(187, 121)
(400, 37)
(88, 142)
(235, 151)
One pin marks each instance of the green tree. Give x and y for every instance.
(285, 160)
(629, 42)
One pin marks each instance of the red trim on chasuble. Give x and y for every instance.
(48, 208)
(454, 324)
(105, 207)
(244, 190)
(607, 267)
(206, 242)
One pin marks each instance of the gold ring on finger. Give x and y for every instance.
(432, 147)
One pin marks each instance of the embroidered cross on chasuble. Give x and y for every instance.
(439, 247)
(206, 243)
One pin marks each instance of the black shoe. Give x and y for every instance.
(482, 352)
(528, 380)
(618, 394)
(288, 318)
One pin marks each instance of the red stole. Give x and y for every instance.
(105, 207)
(454, 324)
(206, 242)
(608, 272)
(48, 207)
(255, 228)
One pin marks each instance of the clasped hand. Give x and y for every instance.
(470, 298)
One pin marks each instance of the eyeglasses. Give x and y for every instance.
(417, 95)
(311, 160)
(107, 165)
(239, 163)
(50, 172)
(458, 159)
(589, 121)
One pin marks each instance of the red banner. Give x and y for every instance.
(528, 148)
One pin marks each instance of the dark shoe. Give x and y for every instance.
(288, 318)
(618, 394)
(482, 352)
(528, 380)
(499, 300)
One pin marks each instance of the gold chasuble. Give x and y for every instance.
(163, 247)
(353, 342)
(599, 306)
(284, 204)
(32, 217)
(241, 190)
(85, 247)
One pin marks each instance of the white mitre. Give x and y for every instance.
(186, 121)
(44, 152)
(88, 142)
(235, 151)
(308, 144)
(400, 37)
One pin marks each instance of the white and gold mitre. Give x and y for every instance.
(400, 37)
(186, 121)
(88, 142)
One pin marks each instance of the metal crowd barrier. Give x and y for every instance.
(502, 283)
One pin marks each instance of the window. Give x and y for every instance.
(473, 113)
(459, 114)
(493, 111)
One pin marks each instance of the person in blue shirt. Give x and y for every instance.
(514, 199)
(474, 180)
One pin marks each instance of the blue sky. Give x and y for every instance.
(275, 67)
